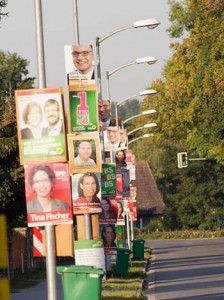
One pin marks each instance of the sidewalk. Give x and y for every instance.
(150, 280)
(38, 291)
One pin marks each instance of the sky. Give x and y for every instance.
(95, 19)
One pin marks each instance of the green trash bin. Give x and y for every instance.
(138, 249)
(81, 282)
(122, 261)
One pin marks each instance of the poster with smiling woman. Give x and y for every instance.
(40, 125)
(86, 193)
(48, 194)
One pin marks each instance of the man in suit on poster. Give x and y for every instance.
(82, 56)
(52, 114)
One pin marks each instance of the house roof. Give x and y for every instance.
(148, 197)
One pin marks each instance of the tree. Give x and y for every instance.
(13, 70)
(190, 117)
(3, 4)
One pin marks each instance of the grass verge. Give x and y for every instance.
(130, 287)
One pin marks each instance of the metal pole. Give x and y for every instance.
(108, 86)
(98, 68)
(51, 263)
(40, 44)
(76, 23)
(128, 231)
(50, 235)
(116, 113)
(87, 221)
(132, 228)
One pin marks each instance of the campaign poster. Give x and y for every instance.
(83, 108)
(109, 211)
(90, 253)
(79, 63)
(119, 186)
(48, 194)
(84, 152)
(119, 235)
(86, 193)
(40, 125)
(125, 181)
(120, 212)
(108, 179)
(108, 235)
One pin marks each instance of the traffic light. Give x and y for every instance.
(182, 160)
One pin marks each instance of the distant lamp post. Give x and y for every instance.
(149, 23)
(142, 60)
(142, 93)
(149, 125)
(141, 137)
(146, 112)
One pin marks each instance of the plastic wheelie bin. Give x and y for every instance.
(81, 282)
(138, 249)
(122, 261)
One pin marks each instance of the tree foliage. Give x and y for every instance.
(3, 4)
(190, 118)
(13, 75)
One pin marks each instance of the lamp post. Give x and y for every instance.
(141, 137)
(146, 112)
(149, 23)
(142, 93)
(149, 125)
(148, 59)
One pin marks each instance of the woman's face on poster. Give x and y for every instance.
(42, 184)
(34, 116)
(88, 186)
(105, 205)
(119, 208)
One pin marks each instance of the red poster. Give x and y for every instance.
(48, 194)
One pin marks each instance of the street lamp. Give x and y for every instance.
(149, 23)
(146, 112)
(148, 59)
(141, 137)
(142, 93)
(149, 125)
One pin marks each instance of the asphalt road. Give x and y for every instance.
(38, 292)
(180, 269)
(186, 269)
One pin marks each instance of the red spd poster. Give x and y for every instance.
(48, 194)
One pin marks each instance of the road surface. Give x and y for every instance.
(186, 269)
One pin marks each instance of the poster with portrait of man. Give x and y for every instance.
(40, 125)
(84, 153)
(82, 108)
(79, 63)
(48, 194)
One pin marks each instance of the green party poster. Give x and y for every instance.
(83, 108)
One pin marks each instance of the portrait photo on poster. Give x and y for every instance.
(108, 235)
(104, 111)
(40, 125)
(48, 194)
(79, 62)
(109, 211)
(84, 153)
(86, 193)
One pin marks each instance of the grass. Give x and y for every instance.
(115, 288)
(130, 287)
